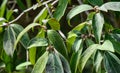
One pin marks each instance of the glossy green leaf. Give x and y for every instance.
(22, 66)
(77, 10)
(32, 55)
(65, 64)
(9, 41)
(86, 55)
(41, 63)
(114, 6)
(54, 24)
(41, 33)
(111, 63)
(37, 42)
(97, 24)
(42, 15)
(57, 42)
(98, 60)
(2, 8)
(74, 62)
(89, 42)
(60, 10)
(106, 47)
(18, 29)
(96, 2)
(54, 64)
(24, 31)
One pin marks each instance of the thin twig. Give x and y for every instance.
(27, 10)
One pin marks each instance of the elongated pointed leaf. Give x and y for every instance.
(25, 38)
(54, 64)
(65, 64)
(60, 10)
(111, 63)
(77, 10)
(96, 2)
(22, 66)
(24, 31)
(86, 55)
(37, 42)
(41, 63)
(2, 8)
(97, 24)
(9, 41)
(114, 6)
(57, 41)
(32, 55)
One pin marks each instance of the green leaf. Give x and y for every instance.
(97, 24)
(18, 29)
(22, 66)
(111, 63)
(54, 24)
(21, 4)
(74, 62)
(57, 42)
(54, 64)
(32, 55)
(42, 15)
(37, 42)
(106, 47)
(9, 41)
(65, 64)
(9, 14)
(89, 42)
(86, 55)
(97, 60)
(114, 6)
(24, 31)
(60, 10)
(96, 2)
(41, 63)
(78, 9)
(2, 8)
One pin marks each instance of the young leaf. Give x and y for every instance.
(60, 10)
(65, 64)
(54, 24)
(24, 31)
(22, 66)
(9, 41)
(96, 2)
(41, 63)
(54, 64)
(57, 41)
(97, 24)
(37, 42)
(86, 55)
(32, 55)
(25, 38)
(114, 6)
(9, 14)
(111, 63)
(2, 8)
(77, 10)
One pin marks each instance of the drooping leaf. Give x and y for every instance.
(57, 42)
(22, 66)
(54, 24)
(42, 15)
(77, 10)
(97, 24)
(24, 31)
(111, 63)
(60, 10)
(18, 29)
(114, 6)
(74, 62)
(3, 7)
(54, 64)
(97, 60)
(65, 64)
(41, 63)
(37, 42)
(86, 55)
(96, 2)
(9, 41)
